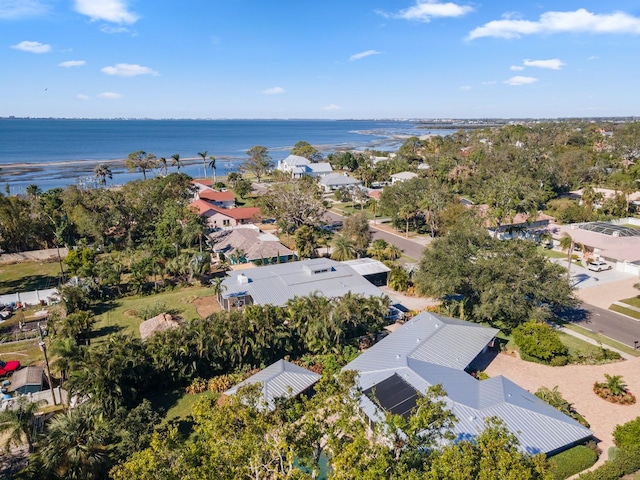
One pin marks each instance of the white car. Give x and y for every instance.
(598, 266)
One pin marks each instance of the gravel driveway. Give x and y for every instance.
(575, 382)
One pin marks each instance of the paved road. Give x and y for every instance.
(610, 324)
(409, 247)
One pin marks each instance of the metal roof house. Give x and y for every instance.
(430, 350)
(280, 379)
(373, 270)
(299, 166)
(276, 284)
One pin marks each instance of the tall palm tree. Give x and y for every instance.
(176, 162)
(19, 425)
(163, 165)
(212, 164)
(101, 172)
(217, 286)
(567, 243)
(378, 249)
(204, 161)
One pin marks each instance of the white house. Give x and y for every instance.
(298, 166)
(402, 177)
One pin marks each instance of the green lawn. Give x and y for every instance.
(625, 311)
(551, 253)
(633, 301)
(27, 351)
(119, 315)
(28, 276)
(607, 342)
(577, 346)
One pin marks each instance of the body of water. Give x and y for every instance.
(58, 152)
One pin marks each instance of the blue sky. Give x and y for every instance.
(319, 59)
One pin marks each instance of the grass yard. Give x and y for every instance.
(577, 346)
(607, 342)
(119, 315)
(551, 253)
(27, 352)
(625, 311)
(28, 276)
(633, 301)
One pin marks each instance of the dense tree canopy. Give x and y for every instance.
(503, 283)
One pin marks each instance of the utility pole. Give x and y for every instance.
(43, 346)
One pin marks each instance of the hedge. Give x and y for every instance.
(628, 435)
(626, 461)
(572, 461)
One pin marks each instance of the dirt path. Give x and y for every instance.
(205, 306)
(575, 382)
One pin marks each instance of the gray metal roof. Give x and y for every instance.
(280, 379)
(338, 179)
(431, 350)
(367, 266)
(296, 161)
(276, 284)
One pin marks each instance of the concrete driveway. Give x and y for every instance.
(575, 382)
(584, 278)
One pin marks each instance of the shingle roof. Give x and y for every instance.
(430, 350)
(276, 284)
(27, 376)
(281, 379)
(254, 243)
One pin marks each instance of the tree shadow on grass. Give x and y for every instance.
(105, 331)
(30, 283)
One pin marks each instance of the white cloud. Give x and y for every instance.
(32, 47)
(580, 21)
(592, 57)
(465, 87)
(360, 55)
(425, 10)
(72, 63)
(83, 97)
(113, 29)
(516, 67)
(114, 11)
(553, 64)
(273, 91)
(128, 70)
(109, 95)
(332, 107)
(520, 80)
(491, 82)
(13, 9)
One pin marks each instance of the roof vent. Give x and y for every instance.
(398, 356)
(418, 340)
(243, 279)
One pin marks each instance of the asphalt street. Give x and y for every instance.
(409, 247)
(605, 322)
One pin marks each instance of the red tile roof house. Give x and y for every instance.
(218, 217)
(221, 198)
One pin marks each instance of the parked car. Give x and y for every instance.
(8, 367)
(598, 266)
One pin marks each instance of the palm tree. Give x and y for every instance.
(406, 213)
(176, 162)
(567, 243)
(102, 172)
(393, 252)
(33, 190)
(343, 248)
(163, 165)
(20, 424)
(67, 356)
(212, 164)
(75, 445)
(218, 286)
(204, 161)
(615, 384)
(378, 249)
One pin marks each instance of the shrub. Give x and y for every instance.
(539, 340)
(572, 461)
(625, 462)
(197, 386)
(628, 435)
(559, 361)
